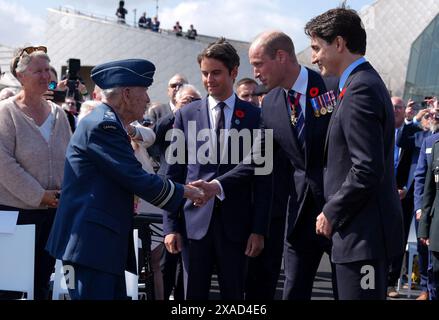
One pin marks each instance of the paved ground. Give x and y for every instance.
(322, 285)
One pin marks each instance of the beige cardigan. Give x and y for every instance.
(28, 164)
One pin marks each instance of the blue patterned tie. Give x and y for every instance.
(300, 125)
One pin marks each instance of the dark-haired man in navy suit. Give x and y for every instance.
(362, 214)
(232, 225)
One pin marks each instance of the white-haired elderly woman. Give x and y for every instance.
(34, 134)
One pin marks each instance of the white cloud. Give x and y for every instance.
(20, 25)
(239, 19)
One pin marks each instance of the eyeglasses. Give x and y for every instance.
(175, 85)
(191, 99)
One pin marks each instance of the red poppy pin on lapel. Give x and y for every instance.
(239, 114)
(314, 92)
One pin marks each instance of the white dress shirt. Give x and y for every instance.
(300, 86)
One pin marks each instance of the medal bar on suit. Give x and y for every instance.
(315, 107)
(329, 102)
(333, 98)
(293, 119)
(321, 103)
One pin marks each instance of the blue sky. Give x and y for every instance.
(23, 21)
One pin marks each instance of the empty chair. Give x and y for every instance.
(17, 254)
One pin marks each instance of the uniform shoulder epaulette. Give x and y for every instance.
(109, 116)
(109, 121)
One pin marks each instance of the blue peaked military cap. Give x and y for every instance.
(124, 73)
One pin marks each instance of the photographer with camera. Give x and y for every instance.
(422, 109)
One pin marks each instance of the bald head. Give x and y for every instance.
(272, 41)
(274, 60)
(174, 84)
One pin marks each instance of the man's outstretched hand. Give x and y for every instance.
(196, 195)
(210, 190)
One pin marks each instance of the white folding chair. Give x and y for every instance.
(60, 286)
(131, 279)
(59, 282)
(17, 259)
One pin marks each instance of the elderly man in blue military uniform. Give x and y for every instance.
(92, 231)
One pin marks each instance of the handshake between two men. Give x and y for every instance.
(200, 191)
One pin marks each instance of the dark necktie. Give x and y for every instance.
(220, 125)
(300, 124)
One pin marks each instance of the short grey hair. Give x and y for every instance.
(25, 60)
(110, 93)
(187, 87)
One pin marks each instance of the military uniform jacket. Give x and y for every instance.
(93, 224)
(429, 223)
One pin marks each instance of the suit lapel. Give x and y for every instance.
(203, 115)
(202, 119)
(310, 117)
(340, 101)
(238, 116)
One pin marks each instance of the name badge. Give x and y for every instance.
(428, 150)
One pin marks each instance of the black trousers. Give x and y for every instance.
(44, 263)
(362, 280)
(172, 271)
(302, 254)
(215, 249)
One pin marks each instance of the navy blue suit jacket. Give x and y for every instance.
(93, 224)
(363, 205)
(424, 160)
(307, 166)
(244, 210)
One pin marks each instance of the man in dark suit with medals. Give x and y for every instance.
(296, 109)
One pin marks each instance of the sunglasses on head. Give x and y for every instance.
(27, 50)
(30, 50)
